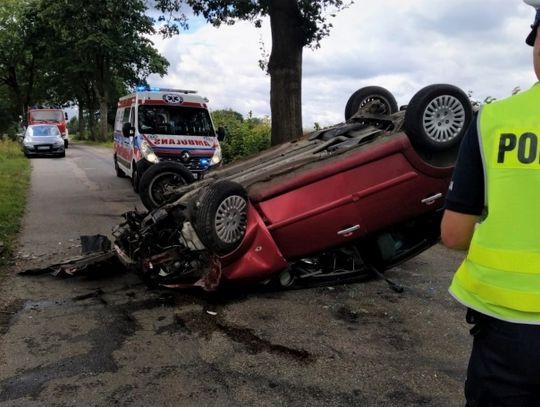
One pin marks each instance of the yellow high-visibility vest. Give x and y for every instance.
(501, 274)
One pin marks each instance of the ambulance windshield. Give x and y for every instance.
(175, 121)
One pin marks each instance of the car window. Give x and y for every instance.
(125, 119)
(45, 131)
(118, 120)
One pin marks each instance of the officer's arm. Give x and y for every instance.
(457, 229)
(465, 199)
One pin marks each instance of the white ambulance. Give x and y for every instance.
(154, 125)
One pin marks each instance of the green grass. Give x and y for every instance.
(14, 182)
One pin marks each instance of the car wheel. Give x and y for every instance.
(119, 172)
(437, 117)
(62, 155)
(135, 178)
(220, 216)
(157, 185)
(375, 99)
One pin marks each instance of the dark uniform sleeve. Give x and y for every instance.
(466, 192)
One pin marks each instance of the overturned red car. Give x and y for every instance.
(345, 202)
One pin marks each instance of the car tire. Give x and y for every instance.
(387, 103)
(119, 172)
(220, 216)
(62, 155)
(153, 183)
(437, 117)
(135, 178)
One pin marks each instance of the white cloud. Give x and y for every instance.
(402, 46)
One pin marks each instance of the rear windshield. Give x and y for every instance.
(44, 131)
(175, 120)
(47, 116)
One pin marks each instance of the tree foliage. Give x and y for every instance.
(313, 15)
(295, 24)
(86, 52)
(20, 45)
(243, 136)
(108, 46)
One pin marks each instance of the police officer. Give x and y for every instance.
(493, 211)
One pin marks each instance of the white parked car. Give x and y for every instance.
(43, 139)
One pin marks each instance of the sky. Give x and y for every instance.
(399, 45)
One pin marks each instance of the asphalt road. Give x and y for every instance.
(108, 340)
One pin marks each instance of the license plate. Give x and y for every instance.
(41, 148)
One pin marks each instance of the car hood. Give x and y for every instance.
(42, 140)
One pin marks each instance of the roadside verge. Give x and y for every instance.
(14, 183)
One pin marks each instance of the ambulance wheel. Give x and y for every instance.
(119, 172)
(437, 117)
(159, 184)
(135, 178)
(220, 216)
(374, 99)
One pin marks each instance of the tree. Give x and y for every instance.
(83, 51)
(295, 24)
(108, 48)
(20, 46)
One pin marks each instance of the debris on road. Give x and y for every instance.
(96, 254)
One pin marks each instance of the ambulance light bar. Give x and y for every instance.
(143, 88)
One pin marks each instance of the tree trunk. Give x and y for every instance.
(103, 117)
(103, 99)
(80, 122)
(91, 118)
(102, 92)
(13, 85)
(30, 70)
(92, 126)
(285, 69)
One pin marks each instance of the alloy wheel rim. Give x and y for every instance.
(231, 219)
(444, 118)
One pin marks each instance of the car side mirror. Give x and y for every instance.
(127, 130)
(221, 133)
(65, 116)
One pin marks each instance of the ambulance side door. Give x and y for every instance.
(125, 144)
